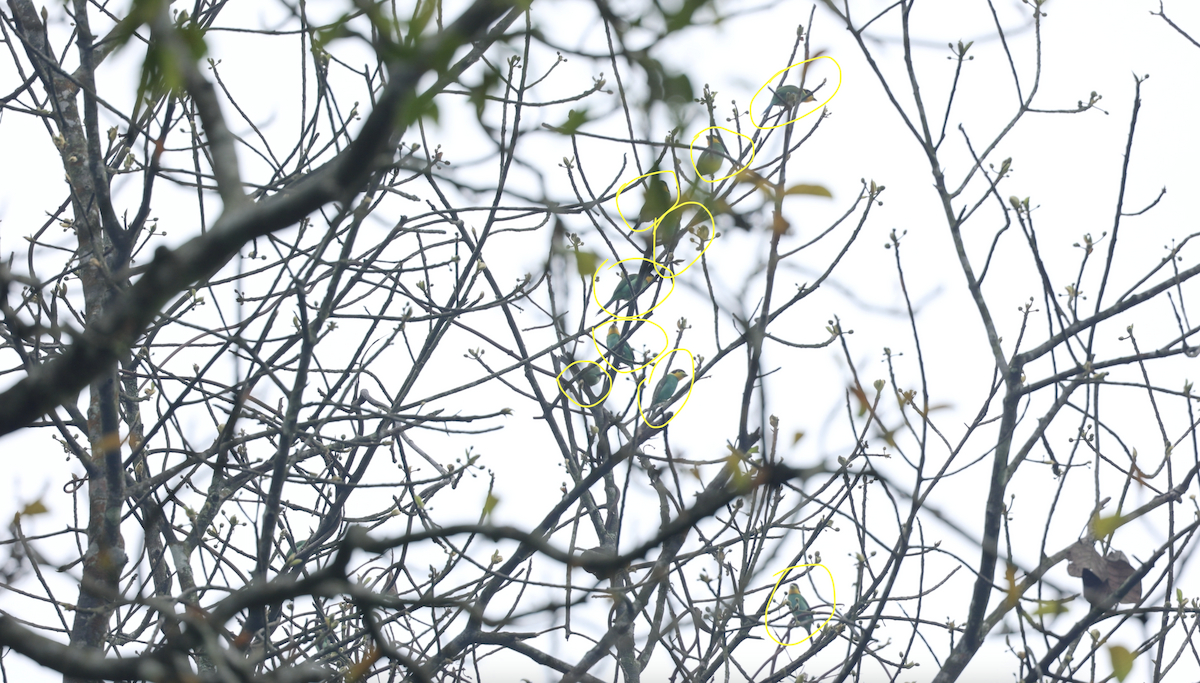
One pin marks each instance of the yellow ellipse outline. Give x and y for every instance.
(603, 354)
(731, 132)
(764, 85)
(646, 381)
(617, 199)
(558, 379)
(614, 265)
(767, 611)
(711, 220)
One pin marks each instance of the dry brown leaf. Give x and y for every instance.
(1083, 556)
(1112, 571)
(1119, 569)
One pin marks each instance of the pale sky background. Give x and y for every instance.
(1068, 164)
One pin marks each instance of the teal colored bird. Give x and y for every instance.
(712, 158)
(799, 607)
(668, 234)
(625, 290)
(666, 388)
(789, 96)
(658, 201)
(590, 374)
(623, 351)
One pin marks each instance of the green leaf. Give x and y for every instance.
(748, 176)
(489, 504)
(140, 12)
(677, 21)
(418, 107)
(327, 34)
(585, 262)
(655, 74)
(814, 190)
(161, 71)
(677, 90)
(37, 507)
(1014, 589)
(575, 119)
(478, 93)
(1122, 661)
(1105, 526)
(420, 19)
(1049, 607)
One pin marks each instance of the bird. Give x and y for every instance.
(625, 290)
(622, 350)
(789, 96)
(667, 233)
(712, 158)
(658, 201)
(1095, 589)
(590, 375)
(799, 606)
(597, 554)
(666, 388)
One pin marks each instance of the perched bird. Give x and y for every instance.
(590, 374)
(666, 388)
(667, 234)
(623, 351)
(789, 96)
(712, 158)
(1095, 589)
(658, 200)
(625, 289)
(799, 606)
(597, 554)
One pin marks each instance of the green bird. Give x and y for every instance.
(658, 200)
(669, 234)
(625, 290)
(799, 606)
(591, 374)
(623, 352)
(712, 158)
(666, 388)
(658, 203)
(789, 96)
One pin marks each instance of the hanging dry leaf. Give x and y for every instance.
(1102, 576)
(1083, 556)
(1119, 570)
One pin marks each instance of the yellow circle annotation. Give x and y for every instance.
(764, 85)
(671, 275)
(603, 354)
(600, 400)
(596, 295)
(770, 600)
(621, 189)
(646, 382)
(692, 147)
